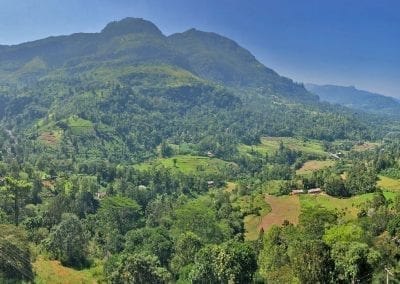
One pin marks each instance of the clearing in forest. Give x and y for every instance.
(348, 206)
(188, 164)
(271, 144)
(389, 184)
(51, 271)
(50, 138)
(282, 208)
(314, 165)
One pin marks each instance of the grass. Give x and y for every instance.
(188, 164)
(314, 165)
(348, 206)
(272, 186)
(289, 208)
(271, 144)
(52, 272)
(251, 226)
(389, 184)
(249, 205)
(80, 126)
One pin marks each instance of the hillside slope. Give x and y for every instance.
(356, 99)
(120, 93)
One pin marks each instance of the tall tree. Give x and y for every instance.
(135, 268)
(18, 191)
(67, 241)
(311, 261)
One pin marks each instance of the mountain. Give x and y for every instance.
(137, 41)
(357, 99)
(220, 59)
(120, 93)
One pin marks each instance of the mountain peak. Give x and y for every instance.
(131, 25)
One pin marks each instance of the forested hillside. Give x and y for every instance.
(129, 156)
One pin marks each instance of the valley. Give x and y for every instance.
(130, 156)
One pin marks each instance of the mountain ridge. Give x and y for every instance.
(138, 41)
(354, 98)
(121, 95)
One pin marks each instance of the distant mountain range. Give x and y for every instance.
(356, 99)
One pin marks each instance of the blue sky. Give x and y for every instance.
(346, 42)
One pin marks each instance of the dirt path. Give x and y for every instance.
(282, 208)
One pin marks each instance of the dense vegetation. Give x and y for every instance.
(137, 158)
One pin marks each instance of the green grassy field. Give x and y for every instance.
(80, 126)
(188, 164)
(52, 272)
(389, 184)
(248, 204)
(271, 144)
(251, 224)
(349, 206)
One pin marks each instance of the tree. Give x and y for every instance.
(361, 179)
(135, 268)
(154, 241)
(166, 150)
(334, 186)
(18, 191)
(354, 261)
(311, 261)
(200, 218)
(67, 241)
(345, 233)
(15, 263)
(187, 245)
(230, 262)
(120, 213)
(314, 220)
(274, 257)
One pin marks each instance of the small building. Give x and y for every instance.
(142, 187)
(297, 191)
(100, 195)
(210, 154)
(210, 183)
(314, 190)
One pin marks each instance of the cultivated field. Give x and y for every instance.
(282, 208)
(389, 184)
(314, 165)
(289, 208)
(271, 144)
(188, 164)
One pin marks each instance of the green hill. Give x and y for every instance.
(138, 88)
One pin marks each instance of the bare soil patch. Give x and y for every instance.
(282, 208)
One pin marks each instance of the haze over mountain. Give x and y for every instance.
(356, 99)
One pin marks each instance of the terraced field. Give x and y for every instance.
(389, 184)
